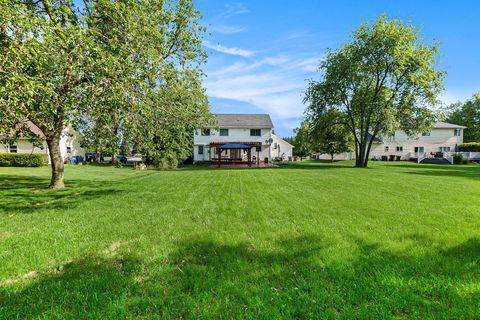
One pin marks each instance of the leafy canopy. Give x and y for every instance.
(382, 80)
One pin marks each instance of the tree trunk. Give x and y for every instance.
(361, 156)
(332, 155)
(56, 162)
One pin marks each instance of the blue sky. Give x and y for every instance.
(261, 53)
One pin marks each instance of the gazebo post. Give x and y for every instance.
(250, 157)
(219, 156)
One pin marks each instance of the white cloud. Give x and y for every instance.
(229, 50)
(273, 84)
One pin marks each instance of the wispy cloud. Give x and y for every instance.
(273, 84)
(233, 9)
(229, 50)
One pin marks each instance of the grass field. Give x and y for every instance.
(308, 240)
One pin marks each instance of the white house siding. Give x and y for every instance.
(438, 138)
(234, 134)
(70, 138)
(280, 148)
(24, 146)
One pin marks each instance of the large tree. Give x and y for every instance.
(102, 65)
(329, 134)
(467, 114)
(382, 80)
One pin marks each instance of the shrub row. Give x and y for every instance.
(469, 147)
(23, 159)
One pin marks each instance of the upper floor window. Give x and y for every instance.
(69, 149)
(13, 148)
(255, 132)
(205, 132)
(458, 132)
(386, 148)
(224, 132)
(399, 148)
(425, 134)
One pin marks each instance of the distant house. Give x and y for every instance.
(69, 143)
(240, 138)
(443, 137)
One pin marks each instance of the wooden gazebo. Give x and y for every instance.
(235, 149)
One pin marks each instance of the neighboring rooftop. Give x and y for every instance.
(446, 125)
(255, 121)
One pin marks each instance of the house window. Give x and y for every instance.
(200, 149)
(69, 149)
(419, 149)
(386, 148)
(444, 149)
(205, 132)
(425, 134)
(255, 132)
(399, 148)
(458, 132)
(13, 148)
(224, 132)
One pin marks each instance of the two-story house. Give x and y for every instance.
(443, 137)
(239, 138)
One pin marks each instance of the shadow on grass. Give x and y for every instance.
(295, 278)
(29, 194)
(91, 288)
(444, 170)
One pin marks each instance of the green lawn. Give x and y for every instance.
(309, 240)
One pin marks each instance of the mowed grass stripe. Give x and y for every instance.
(308, 240)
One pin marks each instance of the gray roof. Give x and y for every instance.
(255, 121)
(446, 125)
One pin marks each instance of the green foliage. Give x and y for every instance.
(469, 147)
(107, 69)
(466, 114)
(302, 143)
(382, 80)
(23, 159)
(329, 134)
(458, 158)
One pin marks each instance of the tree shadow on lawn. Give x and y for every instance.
(444, 170)
(295, 279)
(29, 194)
(84, 289)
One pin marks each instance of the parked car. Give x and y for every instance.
(90, 157)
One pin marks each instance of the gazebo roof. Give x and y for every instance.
(235, 146)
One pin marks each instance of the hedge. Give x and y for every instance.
(23, 159)
(470, 147)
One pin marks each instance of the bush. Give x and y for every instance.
(470, 147)
(458, 158)
(23, 159)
